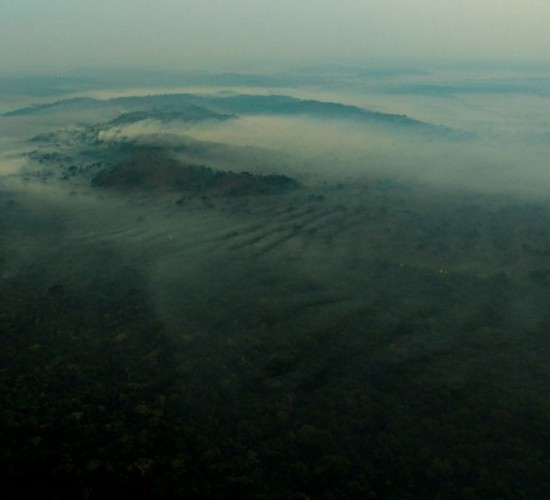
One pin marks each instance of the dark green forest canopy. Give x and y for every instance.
(271, 383)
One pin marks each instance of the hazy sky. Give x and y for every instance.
(38, 35)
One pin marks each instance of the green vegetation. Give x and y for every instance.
(153, 171)
(191, 115)
(432, 385)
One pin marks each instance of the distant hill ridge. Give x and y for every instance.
(190, 114)
(244, 104)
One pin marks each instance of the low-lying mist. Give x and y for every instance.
(334, 150)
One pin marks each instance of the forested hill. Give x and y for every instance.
(244, 104)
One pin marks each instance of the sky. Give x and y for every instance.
(57, 35)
